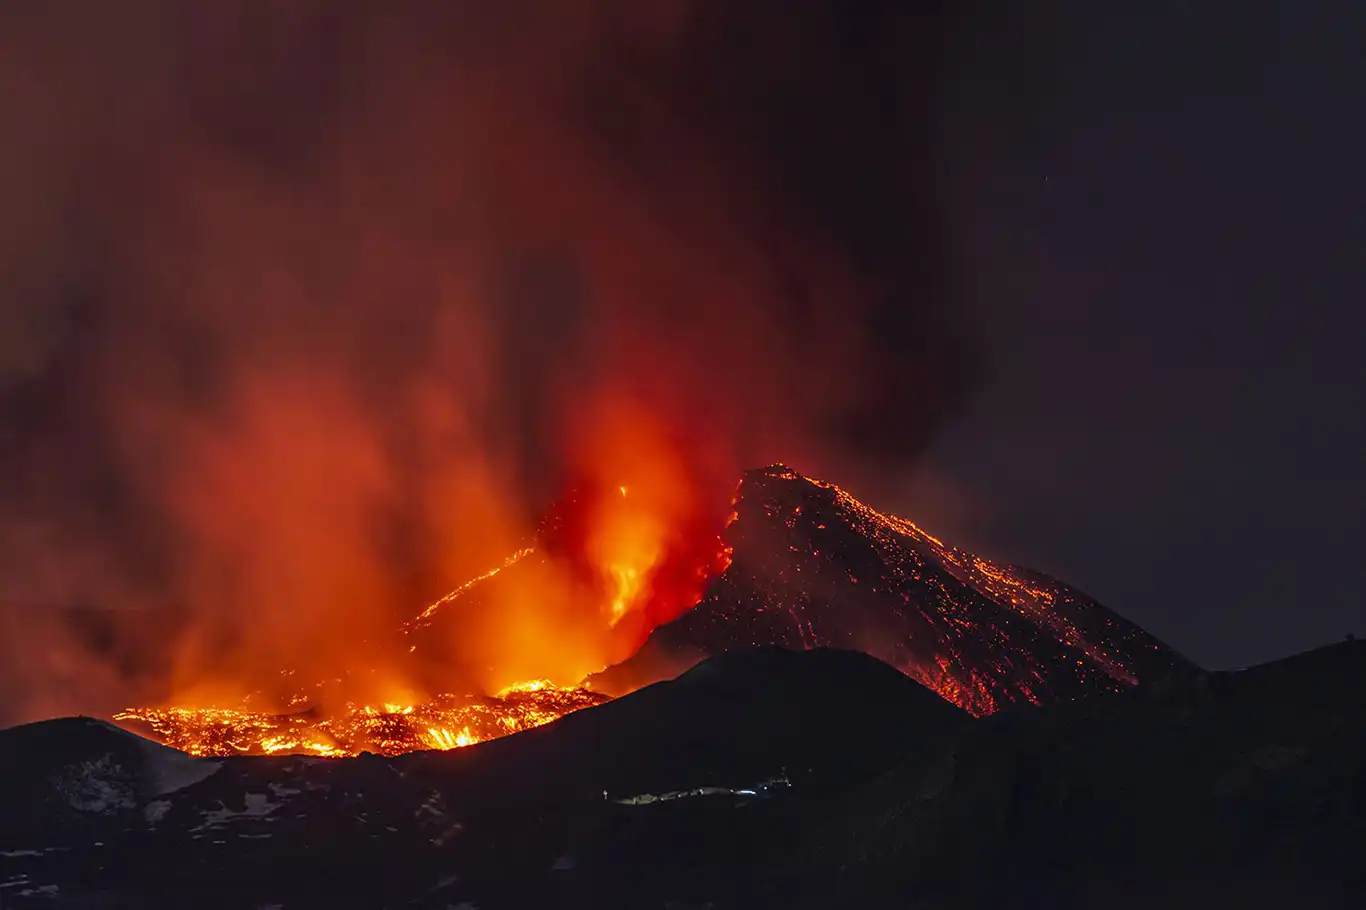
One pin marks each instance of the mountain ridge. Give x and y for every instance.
(812, 566)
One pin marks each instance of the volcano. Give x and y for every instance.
(800, 565)
(814, 567)
(809, 566)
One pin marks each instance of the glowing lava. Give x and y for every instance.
(801, 564)
(446, 722)
(634, 551)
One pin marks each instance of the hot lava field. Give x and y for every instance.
(844, 715)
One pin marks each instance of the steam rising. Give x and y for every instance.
(309, 309)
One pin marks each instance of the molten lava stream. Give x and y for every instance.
(446, 722)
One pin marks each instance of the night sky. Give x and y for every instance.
(1106, 259)
(1167, 282)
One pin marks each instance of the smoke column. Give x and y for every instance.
(309, 309)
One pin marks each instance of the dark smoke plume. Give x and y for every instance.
(307, 309)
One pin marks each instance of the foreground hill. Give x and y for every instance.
(497, 824)
(1243, 789)
(761, 779)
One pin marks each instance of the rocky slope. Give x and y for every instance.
(758, 779)
(813, 567)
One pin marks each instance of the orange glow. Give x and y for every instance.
(647, 531)
(426, 615)
(625, 545)
(611, 562)
(446, 722)
(323, 397)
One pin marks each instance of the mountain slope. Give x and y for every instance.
(813, 567)
(1239, 789)
(527, 820)
(1242, 789)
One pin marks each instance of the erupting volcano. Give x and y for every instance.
(800, 564)
(814, 567)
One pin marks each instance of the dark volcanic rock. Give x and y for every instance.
(1245, 789)
(94, 814)
(815, 568)
(759, 779)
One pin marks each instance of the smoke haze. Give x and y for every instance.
(309, 309)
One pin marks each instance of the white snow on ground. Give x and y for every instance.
(106, 784)
(644, 799)
(21, 852)
(30, 888)
(95, 786)
(258, 806)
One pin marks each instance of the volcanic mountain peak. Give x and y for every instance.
(812, 567)
(801, 564)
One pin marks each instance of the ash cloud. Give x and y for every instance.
(310, 308)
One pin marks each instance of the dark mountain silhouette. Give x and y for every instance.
(760, 779)
(490, 821)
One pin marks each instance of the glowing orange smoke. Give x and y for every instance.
(612, 561)
(650, 534)
(315, 386)
(626, 542)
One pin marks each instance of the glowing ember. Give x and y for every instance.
(426, 615)
(446, 722)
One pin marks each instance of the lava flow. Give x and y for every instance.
(446, 722)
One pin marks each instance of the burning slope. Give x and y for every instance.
(801, 564)
(627, 558)
(814, 567)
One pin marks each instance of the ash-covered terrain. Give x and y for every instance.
(862, 716)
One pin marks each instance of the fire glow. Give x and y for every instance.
(981, 634)
(375, 283)
(622, 548)
(446, 722)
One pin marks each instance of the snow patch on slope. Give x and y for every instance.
(98, 785)
(258, 805)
